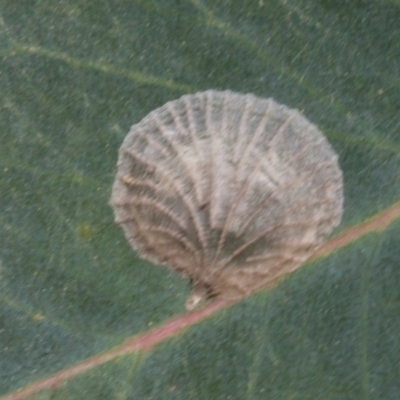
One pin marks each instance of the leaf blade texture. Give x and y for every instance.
(74, 77)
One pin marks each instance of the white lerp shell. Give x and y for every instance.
(231, 190)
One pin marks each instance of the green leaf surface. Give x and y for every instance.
(74, 75)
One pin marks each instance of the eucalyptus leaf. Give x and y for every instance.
(74, 76)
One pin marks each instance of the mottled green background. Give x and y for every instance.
(74, 75)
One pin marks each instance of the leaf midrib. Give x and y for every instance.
(171, 327)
